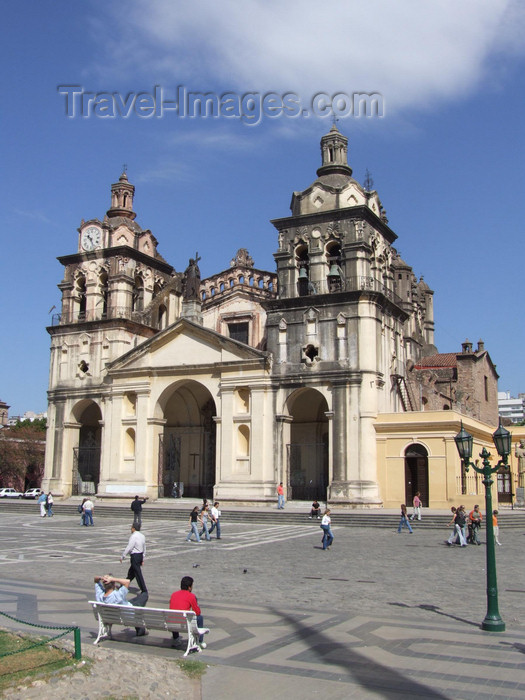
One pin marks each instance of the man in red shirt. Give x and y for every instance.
(186, 600)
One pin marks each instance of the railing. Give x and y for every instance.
(42, 642)
(336, 285)
(144, 317)
(470, 485)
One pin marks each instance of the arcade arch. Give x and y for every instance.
(86, 455)
(307, 445)
(187, 443)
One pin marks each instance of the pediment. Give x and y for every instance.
(123, 236)
(147, 243)
(186, 344)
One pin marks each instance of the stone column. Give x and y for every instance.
(282, 437)
(218, 452)
(339, 432)
(70, 441)
(155, 429)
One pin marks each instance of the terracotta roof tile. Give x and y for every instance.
(442, 359)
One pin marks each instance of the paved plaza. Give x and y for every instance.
(380, 615)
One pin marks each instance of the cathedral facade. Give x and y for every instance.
(322, 374)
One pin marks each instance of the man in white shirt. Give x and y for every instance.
(88, 512)
(137, 553)
(216, 519)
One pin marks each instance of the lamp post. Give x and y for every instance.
(502, 441)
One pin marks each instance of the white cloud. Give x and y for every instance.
(34, 215)
(414, 53)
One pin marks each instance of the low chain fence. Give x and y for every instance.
(65, 630)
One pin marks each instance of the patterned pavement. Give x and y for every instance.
(380, 615)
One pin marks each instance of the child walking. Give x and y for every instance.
(495, 526)
(404, 522)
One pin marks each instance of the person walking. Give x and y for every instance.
(49, 505)
(88, 512)
(475, 519)
(42, 503)
(326, 526)
(280, 497)
(461, 516)
(495, 527)
(81, 511)
(453, 523)
(459, 524)
(205, 515)
(216, 519)
(136, 549)
(136, 507)
(416, 505)
(404, 522)
(194, 527)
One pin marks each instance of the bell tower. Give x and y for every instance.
(336, 323)
(122, 193)
(334, 151)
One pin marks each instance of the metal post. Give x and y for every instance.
(502, 440)
(492, 621)
(78, 647)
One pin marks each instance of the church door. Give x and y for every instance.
(187, 448)
(307, 452)
(416, 474)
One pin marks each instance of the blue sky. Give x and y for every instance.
(447, 156)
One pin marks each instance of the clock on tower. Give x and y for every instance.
(90, 238)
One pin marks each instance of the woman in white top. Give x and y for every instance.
(326, 523)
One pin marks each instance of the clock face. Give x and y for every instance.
(91, 238)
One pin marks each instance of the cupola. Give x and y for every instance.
(334, 151)
(122, 193)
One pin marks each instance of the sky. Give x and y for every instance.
(446, 153)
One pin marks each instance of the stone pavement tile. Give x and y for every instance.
(293, 621)
(240, 684)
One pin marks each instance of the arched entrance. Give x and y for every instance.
(416, 473)
(187, 444)
(307, 451)
(86, 457)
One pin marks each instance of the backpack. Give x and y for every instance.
(80, 509)
(460, 519)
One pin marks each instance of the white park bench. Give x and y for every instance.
(150, 618)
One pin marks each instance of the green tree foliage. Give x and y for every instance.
(39, 424)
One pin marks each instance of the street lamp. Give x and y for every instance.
(502, 441)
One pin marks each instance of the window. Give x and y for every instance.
(243, 441)
(129, 443)
(162, 317)
(81, 296)
(138, 295)
(103, 288)
(239, 331)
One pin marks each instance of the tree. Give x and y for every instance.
(22, 454)
(39, 424)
